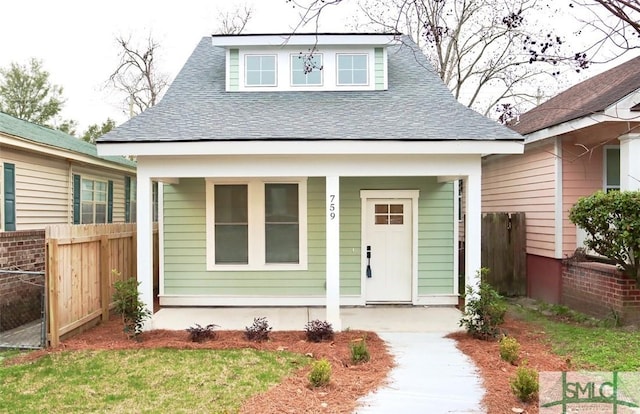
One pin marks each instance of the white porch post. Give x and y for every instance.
(473, 230)
(629, 165)
(333, 251)
(145, 242)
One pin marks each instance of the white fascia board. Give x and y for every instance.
(565, 127)
(51, 151)
(303, 40)
(310, 147)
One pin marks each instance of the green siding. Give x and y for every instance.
(234, 69)
(185, 241)
(379, 68)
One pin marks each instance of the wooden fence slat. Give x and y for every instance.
(105, 277)
(52, 278)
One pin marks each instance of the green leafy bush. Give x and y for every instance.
(525, 383)
(484, 311)
(128, 304)
(318, 331)
(612, 223)
(509, 349)
(359, 351)
(259, 331)
(199, 333)
(320, 373)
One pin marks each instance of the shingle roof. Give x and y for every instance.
(41, 135)
(416, 106)
(588, 97)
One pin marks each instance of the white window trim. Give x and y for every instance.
(94, 202)
(293, 56)
(262, 85)
(367, 83)
(256, 218)
(605, 167)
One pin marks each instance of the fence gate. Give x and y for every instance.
(504, 252)
(22, 309)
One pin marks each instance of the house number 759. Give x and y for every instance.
(332, 206)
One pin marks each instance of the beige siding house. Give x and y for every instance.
(48, 177)
(583, 140)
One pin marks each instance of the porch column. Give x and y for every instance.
(145, 242)
(333, 251)
(629, 165)
(472, 235)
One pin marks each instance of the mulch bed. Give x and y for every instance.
(348, 382)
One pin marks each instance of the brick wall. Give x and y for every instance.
(20, 294)
(597, 289)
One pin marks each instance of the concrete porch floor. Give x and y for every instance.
(382, 318)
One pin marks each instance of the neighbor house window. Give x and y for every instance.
(93, 202)
(352, 69)
(256, 225)
(611, 168)
(260, 70)
(306, 70)
(130, 200)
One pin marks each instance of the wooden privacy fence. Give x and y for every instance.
(83, 263)
(504, 252)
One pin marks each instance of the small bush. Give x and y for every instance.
(198, 333)
(509, 349)
(484, 312)
(128, 304)
(359, 351)
(320, 373)
(259, 331)
(525, 384)
(318, 331)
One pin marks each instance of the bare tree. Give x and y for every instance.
(234, 21)
(137, 75)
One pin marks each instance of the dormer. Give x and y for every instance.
(305, 62)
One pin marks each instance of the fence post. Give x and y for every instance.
(52, 279)
(105, 277)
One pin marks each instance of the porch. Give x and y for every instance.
(378, 318)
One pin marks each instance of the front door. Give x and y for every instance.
(388, 241)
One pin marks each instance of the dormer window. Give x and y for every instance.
(306, 70)
(260, 70)
(353, 69)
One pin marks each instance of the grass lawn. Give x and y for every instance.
(143, 381)
(590, 344)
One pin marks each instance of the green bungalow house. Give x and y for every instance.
(308, 170)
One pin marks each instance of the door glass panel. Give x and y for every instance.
(382, 208)
(382, 219)
(396, 219)
(396, 208)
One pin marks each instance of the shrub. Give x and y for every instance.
(484, 311)
(612, 223)
(359, 351)
(128, 304)
(509, 349)
(259, 331)
(198, 333)
(525, 383)
(318, 331)
(320, 373)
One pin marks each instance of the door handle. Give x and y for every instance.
(369, 273)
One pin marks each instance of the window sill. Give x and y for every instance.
(258, 268)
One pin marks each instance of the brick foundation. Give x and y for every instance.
(597, 289)
(20, 294)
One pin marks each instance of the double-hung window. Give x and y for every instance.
(260, 70)
(256, 225)
(611, 168)
(93, 202)
(306, 70)
(353, 69)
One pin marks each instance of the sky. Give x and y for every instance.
(75, 40)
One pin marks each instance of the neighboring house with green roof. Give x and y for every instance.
(49, 177)
(298, 179)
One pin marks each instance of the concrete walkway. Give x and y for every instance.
(432, 376)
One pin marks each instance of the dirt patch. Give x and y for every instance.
(348, 382)
(496, 373)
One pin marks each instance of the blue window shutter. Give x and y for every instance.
(110, 202)
(127, 199)
(76, 199)
(9, 197)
